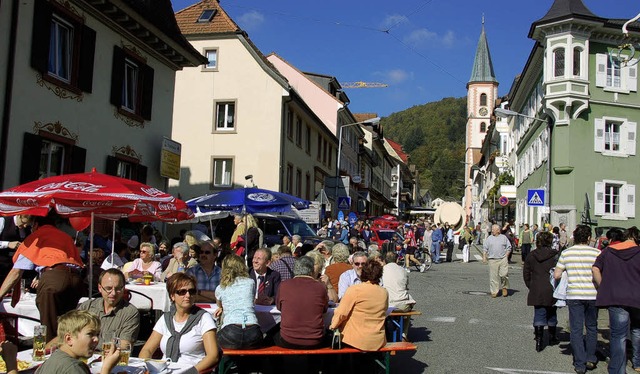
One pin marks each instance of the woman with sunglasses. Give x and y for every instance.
(362, 311)
(187, 333)
(235, 297)
(145, 264)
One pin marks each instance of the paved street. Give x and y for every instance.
(463, 330)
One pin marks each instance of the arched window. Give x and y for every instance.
(483, 100)
(483, 127)
(577, 57)
(558, 62)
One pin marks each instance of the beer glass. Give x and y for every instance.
(39, 341)
(125, 351)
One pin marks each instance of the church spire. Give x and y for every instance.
(482, 65)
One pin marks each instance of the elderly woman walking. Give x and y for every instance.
(536, 276)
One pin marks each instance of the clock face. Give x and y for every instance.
(483, 111)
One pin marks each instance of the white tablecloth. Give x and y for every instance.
(25, 307)
(157, 292)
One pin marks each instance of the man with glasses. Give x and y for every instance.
(118, 318)
(207, 273)
(351, 277)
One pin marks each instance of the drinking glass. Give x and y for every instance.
(125, 351)
(39, 341)
(106, 345)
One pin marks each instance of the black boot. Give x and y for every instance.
(553, 337)
(539, 331)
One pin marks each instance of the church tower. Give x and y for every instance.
(482, 91)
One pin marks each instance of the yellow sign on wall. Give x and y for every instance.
(170, 159)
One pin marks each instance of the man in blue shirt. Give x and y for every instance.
(436, 238)
(207, 273)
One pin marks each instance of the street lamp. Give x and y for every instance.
(506, 113)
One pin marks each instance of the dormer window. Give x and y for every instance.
(206, 15)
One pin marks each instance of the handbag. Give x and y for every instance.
(461, 243)
(336, 340)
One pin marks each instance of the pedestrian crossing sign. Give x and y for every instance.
(535, 197)
(344, 202)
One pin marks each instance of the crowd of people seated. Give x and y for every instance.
(301, 284)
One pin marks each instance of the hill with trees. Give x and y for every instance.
(433, 135)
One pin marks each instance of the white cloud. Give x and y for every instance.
(422, 37)
(394, 76)
(393, 20)
(251, 20)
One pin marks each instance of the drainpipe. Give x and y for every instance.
(8, 91)
(283, 129)
(548, 199)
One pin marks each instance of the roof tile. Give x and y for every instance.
(220, 23)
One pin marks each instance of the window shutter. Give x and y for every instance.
(598, 209)
(629, 200)
(112, 166)
(147, 92)
(630, 138)
(598, 137)
(77, 160)
(601, 70)
(117, 76)
(87, 52)
(632, 75)
(40, 36)
(30, 167)
(141, 174)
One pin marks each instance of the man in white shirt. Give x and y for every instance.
(351, 277)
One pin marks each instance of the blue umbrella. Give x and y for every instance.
(246, 200)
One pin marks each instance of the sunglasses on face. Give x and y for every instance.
(359, 263)
(144, 251)
(182, 292)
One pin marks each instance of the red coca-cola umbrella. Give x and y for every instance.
(106, 196)
(93, 195)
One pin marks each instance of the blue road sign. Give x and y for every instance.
(344, 202)
(535, 197)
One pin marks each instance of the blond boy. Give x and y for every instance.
(78, 332)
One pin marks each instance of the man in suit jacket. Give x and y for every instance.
(267, 280)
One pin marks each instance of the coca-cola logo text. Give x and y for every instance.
(167, 206)
(97, 203)
(73, 186)
(152, 191)
(27, 202)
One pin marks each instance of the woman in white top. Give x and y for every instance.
(145, 264)
(187, 333)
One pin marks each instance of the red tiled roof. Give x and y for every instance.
(398, 149)
(364, 116)
(220, 23)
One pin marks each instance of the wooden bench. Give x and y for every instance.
(397, 318)
(388, 350)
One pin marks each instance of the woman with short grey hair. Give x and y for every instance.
(179, 262)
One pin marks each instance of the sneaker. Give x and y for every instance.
(407, 270)
(504, 292)
(422, 268)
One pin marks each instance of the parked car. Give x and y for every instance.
(380, 236)
(274, 227)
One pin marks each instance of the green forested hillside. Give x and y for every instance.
(434, 135)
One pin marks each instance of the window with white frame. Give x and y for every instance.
(52, 157)
(61, 49)
(212, 58)
(225, 116)
(612, 74)
(615, 199)
(558, 62)
(615, 136)
(577, 61)
(222, 172)
(130, 86)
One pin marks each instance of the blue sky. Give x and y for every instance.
(426, 55)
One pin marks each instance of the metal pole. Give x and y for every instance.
(338, 166)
